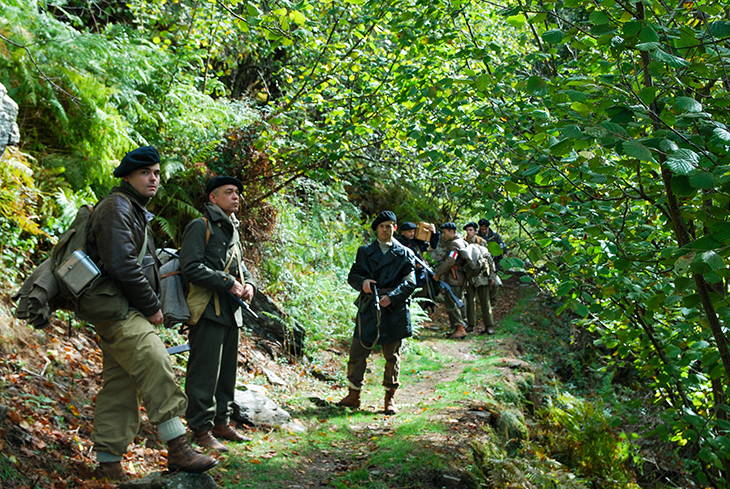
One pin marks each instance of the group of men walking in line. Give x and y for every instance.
(386, 273)
(125, 307)
(136, 365)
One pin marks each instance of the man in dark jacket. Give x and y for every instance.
(124, 307)
(387, 266)
(491, 236)
(407, 238)
(211, 258)
(451, 269)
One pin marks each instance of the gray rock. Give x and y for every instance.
(9, 132)
(252, 407)
(171, 480)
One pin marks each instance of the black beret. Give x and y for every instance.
(137, 158)
(448, 225)
(382, 217)
(219, 181)
(483, 222)
(407, 226)
(470, 225)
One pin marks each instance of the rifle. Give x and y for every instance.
(375, 294)
(444, 286)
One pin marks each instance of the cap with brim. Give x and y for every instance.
(219, 181)
(137, 158)
(448, 225)
(483, 222)
(383, 217)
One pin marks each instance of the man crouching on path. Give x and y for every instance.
(124, 307)
(390, 268)
(211, 258)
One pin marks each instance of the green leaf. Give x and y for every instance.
(647, 95)
(572, 131)
(581, 108)
(537, 85)
(637, 150)
(683, 161)
(482, 82)
(702, 180)
(598, 17)
(686, 104)
(720, 137)
(648, 34)
(720, 28)
(721, 231)
(632, 28)
(670, 59)
(553, 36)
(713, 260)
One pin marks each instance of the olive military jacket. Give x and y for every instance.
(204, 265)
(451, 267)
(393, 272)
(114, 239)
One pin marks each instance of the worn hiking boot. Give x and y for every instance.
(351, 400)
(459, 333)
(205, 439)
(390, 406)
(110, 472)
(228, 432)
(181, 456)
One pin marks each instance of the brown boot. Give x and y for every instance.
(459, 333)
(351, 400)
(227, 432)
(390, 407)
(110, 472)
(205, 439)
(181, 456)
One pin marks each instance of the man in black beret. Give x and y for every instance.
(211, 259)
(451, 269)
(407, 238)
(124, 307)
(388, 267)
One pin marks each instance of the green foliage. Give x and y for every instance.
(580, 436)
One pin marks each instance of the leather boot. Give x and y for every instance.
(181, 456)
(459, 333)
(351, 400)
(228, 432)
(390, 407)
(205, 439)
(110, 472)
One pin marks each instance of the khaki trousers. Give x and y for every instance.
(136, 367)
(484, 295)
(358, 362)
(456, 314)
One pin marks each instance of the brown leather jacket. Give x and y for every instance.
(114, 241)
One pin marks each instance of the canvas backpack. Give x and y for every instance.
(477, 262)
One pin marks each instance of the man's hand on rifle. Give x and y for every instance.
(435, 277)
(245, 292)
(366, 285)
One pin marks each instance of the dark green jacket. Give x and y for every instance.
(203, 265)
(393, 272)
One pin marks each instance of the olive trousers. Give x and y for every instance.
(136, 367)
(456, 314)
(210, 381)
(358, 362)
(484, 294)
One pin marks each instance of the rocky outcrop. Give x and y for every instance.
(9, 132)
